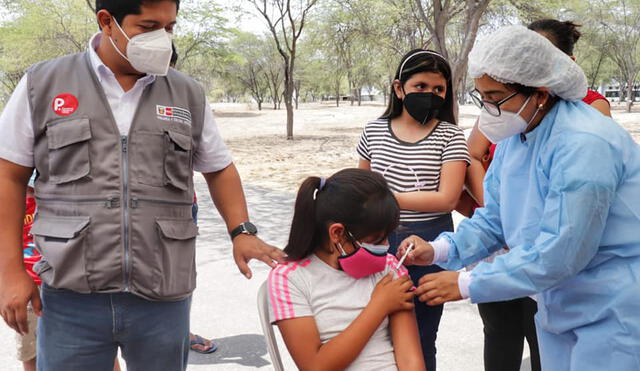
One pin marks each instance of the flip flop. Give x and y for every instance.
(199, 340)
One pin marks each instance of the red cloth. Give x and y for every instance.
(31, 255)
(593, 96)
(492, 151)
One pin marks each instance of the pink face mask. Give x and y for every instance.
(362, 262)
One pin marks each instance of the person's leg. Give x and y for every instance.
(26, 344)
(529, 309)
(75, 332)
(503, 336)
(29, 365)
(154, 334)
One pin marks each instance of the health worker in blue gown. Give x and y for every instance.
(563, 193)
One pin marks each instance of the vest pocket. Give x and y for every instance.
(68, 142)
(177, 249)
(62, 242)
(177, 161)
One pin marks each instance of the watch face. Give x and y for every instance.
(250, 228)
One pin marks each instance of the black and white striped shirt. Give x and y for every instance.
(408, 166)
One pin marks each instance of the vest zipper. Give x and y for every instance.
(109, 203)
(125, 192)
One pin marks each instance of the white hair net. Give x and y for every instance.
(515, 54)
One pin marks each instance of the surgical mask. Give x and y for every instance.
(362, 262)
(375, 249)
(423, 106)
(504, 126)
(148, 52)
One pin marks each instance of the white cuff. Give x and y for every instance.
(464, 280)
(440, 250)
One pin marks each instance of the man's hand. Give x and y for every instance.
(439, 288)
(247, 247)
(17, 289)
(422, 253)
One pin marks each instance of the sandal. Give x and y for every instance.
(199, 340)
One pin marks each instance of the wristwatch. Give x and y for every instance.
(244, 228)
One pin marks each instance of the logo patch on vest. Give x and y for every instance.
(176, 114)
(65, 104)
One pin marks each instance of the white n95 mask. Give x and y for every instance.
(504, 126)
(148, 52)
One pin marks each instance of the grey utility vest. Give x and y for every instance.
(114, 212)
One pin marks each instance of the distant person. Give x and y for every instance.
(422, 154)
(508, 323)
(562, 194)
(338, 300)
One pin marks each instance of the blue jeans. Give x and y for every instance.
(80, 332)
(428, 317)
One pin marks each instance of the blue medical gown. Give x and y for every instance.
(567, 203)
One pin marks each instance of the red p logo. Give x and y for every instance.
(64, 104)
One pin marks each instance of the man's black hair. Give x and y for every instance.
(122, 8)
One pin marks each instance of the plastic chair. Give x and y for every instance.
(267, 328)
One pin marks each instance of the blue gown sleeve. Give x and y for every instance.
(481, 235)
(583, 173)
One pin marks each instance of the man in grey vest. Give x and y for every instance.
(114, 135)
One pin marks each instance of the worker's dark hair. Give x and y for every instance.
(564, 35)
(122, 8)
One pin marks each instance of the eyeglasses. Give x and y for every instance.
(493, 108)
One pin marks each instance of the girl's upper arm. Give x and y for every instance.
(364, 164)
(302, 339)
(406, 341)
(602, 105)
(478, 143)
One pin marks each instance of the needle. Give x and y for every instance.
(404, 256)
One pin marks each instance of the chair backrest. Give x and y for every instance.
(267, 328)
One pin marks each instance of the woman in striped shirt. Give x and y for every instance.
(422, 153)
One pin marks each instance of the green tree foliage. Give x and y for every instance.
(36, 30)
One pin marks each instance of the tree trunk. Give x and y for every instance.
(629, 95)
(288, 103)
(259, 105)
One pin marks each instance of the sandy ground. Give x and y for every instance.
(224, 304)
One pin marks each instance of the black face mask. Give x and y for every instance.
(423, 106)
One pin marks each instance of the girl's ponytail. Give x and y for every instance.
(303, 235)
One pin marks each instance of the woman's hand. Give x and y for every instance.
(422, 253)
(439, 288)
(392, 295)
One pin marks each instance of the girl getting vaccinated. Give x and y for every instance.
(341, 301)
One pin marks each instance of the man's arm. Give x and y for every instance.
(17, 289)
(226, 191)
